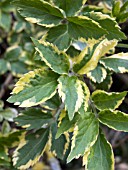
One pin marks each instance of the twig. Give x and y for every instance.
(5, 85)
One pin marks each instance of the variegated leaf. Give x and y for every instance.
(90, 56)
(30, 149)
(104, 100)
(84, 136)
(66, 5)
(116, 120)
(53, 103)
(34, 88)
(98, 74)
(56, 60)
(85, 104)
(60, 145)
(109, 24)
(105, 85)
(82, 26)
(3, 66)
(100, 155)
(40, 12)
(33, 118)
(65, 125)
(71, 92)
(117, 62)
(59, 36)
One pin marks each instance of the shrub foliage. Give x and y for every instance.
(76, 43)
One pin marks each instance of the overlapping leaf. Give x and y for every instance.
(71, 92)
(109, 24)
(82, 26)
(100, 155)
(66, 5)
(114, 119)
(98, 74)
(56, 60)
(30, 149)
(104, 100)
(65, 124)
(34, 88)
(40, 12)
(89, 57)
(53, 103)
(85, 135)
(59, 36)
(59, 145)
(34, 119)
(85, 104)
(117, 62)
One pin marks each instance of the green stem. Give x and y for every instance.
(93, 108)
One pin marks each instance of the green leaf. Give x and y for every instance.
(13, 53)
(3, 66)
(53, 103)
(101, 155)
(58, 146)
(34, 88)
(123, 17)
(85, 104)
(124, 7)
(105, 85)
(30, 149)
(70, 6)
(90, 56)
(98, 74)
(117, 62)
(40, 12)
(116, 8)
(56, 60)
(65, 125)
(33, 118)
(10, 140)
(116, 120)
(1, 105)
(108, 24)
(82, 26)
(5, 21)
(59, 36)
(6, 128)
(9, 114)
(18, 68)
(4, 154)
(85, 135)
(104, 100)
(71, 92)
